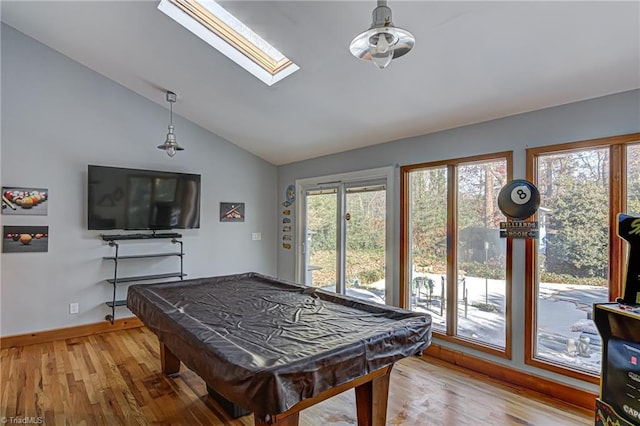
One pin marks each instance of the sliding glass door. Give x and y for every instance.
(365, 226)
(321, 234)
(345, 233)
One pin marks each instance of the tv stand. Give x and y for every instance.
(118, 257)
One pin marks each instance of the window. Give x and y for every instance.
(454, 263)
(578, 260)
(223, 31)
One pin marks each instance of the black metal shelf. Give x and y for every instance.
(112, 239)
(116, 303)
(146, 277)
(143, 256)
(116, 237)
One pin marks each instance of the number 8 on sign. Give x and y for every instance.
(521, 194)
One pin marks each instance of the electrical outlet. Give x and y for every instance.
(256, 236)
(74, 308)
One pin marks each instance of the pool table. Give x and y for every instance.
(273, 347)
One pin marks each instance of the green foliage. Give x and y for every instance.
(478, 186)
(493, 270)
(366, 226)
(633, 181)
(365, 266)
(580, 219)
(433, 264)
(551, 277)
(371, 275)
(321, 220)
(428, 211)
(633, 193)
(365, 237)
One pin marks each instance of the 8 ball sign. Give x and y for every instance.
(519, 199)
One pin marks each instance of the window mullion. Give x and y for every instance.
(452, 250)
(341, 239)
(618, 197)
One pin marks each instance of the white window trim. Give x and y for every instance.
(302, 185)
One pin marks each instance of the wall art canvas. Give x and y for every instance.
(25, 239)
(24, 201)
(231, 212)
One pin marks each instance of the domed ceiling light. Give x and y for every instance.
(382, 42)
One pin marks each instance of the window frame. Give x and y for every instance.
(617, 251)
(452, 244)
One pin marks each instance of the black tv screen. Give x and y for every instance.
(137, 199)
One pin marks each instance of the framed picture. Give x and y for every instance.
(24, 201)
(25, 239)
(231, 212)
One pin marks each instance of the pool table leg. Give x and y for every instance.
(170, 363)
(291, 419)
(371, 400)
(372, 391)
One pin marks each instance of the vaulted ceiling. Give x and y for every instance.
(473, 61)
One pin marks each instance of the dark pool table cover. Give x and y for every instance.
(266, 344)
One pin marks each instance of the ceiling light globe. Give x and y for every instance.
(379, 43)
(383, 41)
(382, 60)
(171, 137)
(399, 42)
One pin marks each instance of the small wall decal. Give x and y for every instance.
(291, 194)
(231, 212)
(290, 198)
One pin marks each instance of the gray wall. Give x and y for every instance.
(607, 116)
(58, 117)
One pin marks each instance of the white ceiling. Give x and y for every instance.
(472, 62)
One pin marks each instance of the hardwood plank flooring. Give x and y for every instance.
(115, 379)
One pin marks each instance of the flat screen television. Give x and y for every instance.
(135, 199)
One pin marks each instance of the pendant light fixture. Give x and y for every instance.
(170, 145)
(382, 42)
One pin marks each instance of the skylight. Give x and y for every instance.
(223, 31)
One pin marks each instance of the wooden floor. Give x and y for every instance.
(114, 379)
